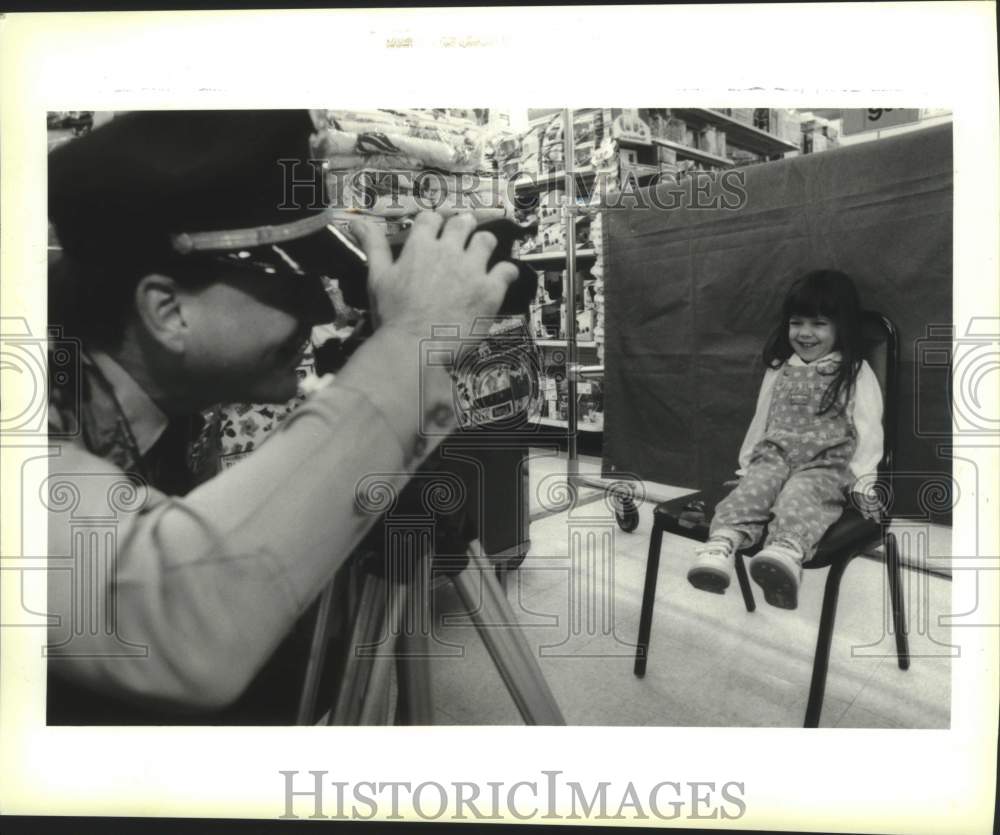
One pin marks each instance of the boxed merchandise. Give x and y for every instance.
(585, 127)
(550, 205)
(551, 159)
(583, 154)
(657, 126)
(547, 215)
(553, 237)
(742, 114)
(676, 130)
(707, 140)
(628, 156)
(665, 155)
(788, 127)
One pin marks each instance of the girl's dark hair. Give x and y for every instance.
(831, 294)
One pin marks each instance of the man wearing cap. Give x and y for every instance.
(190, 276)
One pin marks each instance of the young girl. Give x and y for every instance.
(816, 435)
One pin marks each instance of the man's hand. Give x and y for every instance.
(437, 279)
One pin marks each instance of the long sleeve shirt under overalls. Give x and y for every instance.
(798, 464)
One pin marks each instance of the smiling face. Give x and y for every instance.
(811, 337)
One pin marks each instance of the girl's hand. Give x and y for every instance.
(867, 504)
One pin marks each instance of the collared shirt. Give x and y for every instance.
(178, 602)
(864, 410)
(145, 419)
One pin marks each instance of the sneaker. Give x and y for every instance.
(713, 566)
(777, 569)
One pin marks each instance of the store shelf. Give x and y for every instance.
(556, 255)
(542, 182)
(694, 153)
(563, 343)
(739, 133)
(633, 143)
(562, 424)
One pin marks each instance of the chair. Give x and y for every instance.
(690, 516)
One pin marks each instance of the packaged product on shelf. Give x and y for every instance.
(789, 128)
(529, 245)
(547, 215)
(553, 281)
(530, 161)
(505, 150)
(553, 237)
(583, 155)
(628, 156)
(665, 155)
(706, 140)
(551, 159)
(585, 127)
(720, 143)
(550, 203)
(657, 126)
(413, 138)
(676, 130)
(742, 114)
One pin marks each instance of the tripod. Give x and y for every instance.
(393, 623)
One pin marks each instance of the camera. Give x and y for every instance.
(495, 369)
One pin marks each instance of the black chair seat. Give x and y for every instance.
(690, 516)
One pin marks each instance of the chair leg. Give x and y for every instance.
(648, 598)
(896, 599)
(741, 575)
(824, 639)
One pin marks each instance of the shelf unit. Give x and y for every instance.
(695, 154)
(739, 133)
(557, 256)
(637, 153)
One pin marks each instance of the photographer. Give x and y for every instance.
(190, 278)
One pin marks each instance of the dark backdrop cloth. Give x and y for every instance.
(693, 293)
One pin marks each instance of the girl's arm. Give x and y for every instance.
(759, 423)
(867, 416)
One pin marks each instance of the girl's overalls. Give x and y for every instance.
(800, 470)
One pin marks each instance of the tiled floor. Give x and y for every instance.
(711, 663)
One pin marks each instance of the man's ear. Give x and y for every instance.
(159, 310)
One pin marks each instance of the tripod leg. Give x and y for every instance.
(506, 644)
(368, 623)
(317, 654)
(415, 704)
(374, 710)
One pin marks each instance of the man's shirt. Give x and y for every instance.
(208, 584)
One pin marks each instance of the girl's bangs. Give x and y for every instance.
(811, 300)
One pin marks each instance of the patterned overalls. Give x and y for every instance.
(799, 470)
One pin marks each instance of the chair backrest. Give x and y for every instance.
(881, 352)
